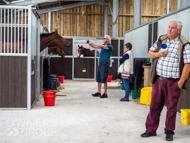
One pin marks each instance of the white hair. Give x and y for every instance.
(109, 38)
(179, 23)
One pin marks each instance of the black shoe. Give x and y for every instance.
(169, 135)
(96, 94)
(123, 99)
(104, 96)
(147, 134)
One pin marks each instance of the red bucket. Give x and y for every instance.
(61, 79)
(109, 78)
(49, 97)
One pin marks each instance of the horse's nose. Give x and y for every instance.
(63, 56)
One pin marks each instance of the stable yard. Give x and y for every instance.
(80, 118)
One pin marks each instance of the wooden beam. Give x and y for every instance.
(148, 15)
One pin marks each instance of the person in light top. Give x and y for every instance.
(126, 66)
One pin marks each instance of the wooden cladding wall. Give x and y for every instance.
(71, 22)
(13, 82)
(61, 67)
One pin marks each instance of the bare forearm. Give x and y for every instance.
(158, 54)
(96, 45)
(185, 74)
(153, 54)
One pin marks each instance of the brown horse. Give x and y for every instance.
(85, 52)
(46, 39)
(53, 38)
(59, 50)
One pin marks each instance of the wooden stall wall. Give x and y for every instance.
(13, 82)
(84, 68)
(152, 9)
(173, 5)
(126, 17)
(114, 43)
(72, 22)
(61, 67)
(121, 47)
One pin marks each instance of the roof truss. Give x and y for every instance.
(67, 6)
(35, 2)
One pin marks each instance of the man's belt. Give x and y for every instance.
(164, 78)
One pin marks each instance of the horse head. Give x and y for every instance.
(60, 41)
(56, 49)
(60, 51)
(80, 49)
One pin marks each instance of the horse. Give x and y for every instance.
(46, 39)
(85, 52)
(57, 49)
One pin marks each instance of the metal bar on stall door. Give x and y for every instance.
(38, 59)
(13, 108)
(10, 54)
(4, 29)
(18, 31)
(15, 33)
(1, 31)
(25, 31)
(29, 58)
(11, 30)
(22, 32)
(8, 31)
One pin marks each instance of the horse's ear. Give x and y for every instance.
(55, 31)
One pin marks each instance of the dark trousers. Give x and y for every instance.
(163, 91)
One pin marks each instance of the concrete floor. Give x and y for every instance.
(81, 118)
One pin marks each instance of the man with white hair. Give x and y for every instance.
(103, 67)
(170, 69)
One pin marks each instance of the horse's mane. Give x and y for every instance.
(46, 34)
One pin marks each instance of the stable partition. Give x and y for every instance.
(19, 46)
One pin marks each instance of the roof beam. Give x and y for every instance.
(34, 2)
(31, 2)
(119, 11)
(5, 1)
(68, 6)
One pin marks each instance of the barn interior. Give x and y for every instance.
(140, 22)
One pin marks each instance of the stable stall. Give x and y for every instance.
(20, 29)
(84, 67)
